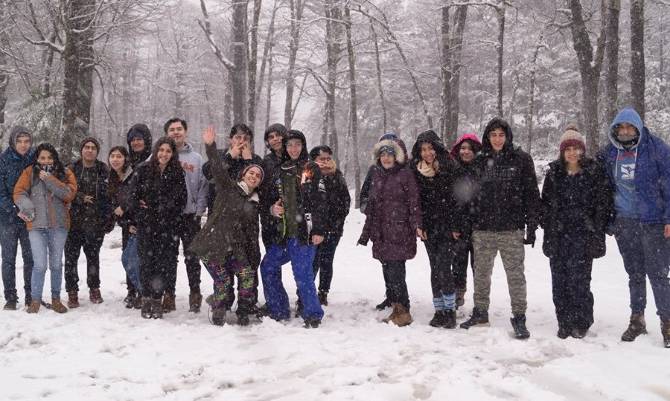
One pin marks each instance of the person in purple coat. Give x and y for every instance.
(393, 222)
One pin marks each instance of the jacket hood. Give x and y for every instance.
(295, 134)
(142, 131)
(394, 137)
(493, 124)
(428, 137)
(472, 137)
(400, 155)
(16, 132)
(630, 116)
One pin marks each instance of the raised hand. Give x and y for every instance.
(208, 136)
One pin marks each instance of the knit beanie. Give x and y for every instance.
(87, 140)
(572, 137)
(249, 167)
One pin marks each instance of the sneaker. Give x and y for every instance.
(323, 298)
(449, 319)
(94, 296)
(386, 303)
(438, 319)
(636, 327)
(194, 302)
(11, 305)
(58, 306)
(72, 299)
(578, 333)
(478, 318)
(519, 326)
(563, 332)
(169, 303)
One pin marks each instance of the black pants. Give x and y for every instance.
(440, 255)
(571, 286)
(394, 279)
(323, 261)
(187, 229)
(91, 241)
(158, 249)
(463, 251)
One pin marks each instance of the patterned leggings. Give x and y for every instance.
(222, 274)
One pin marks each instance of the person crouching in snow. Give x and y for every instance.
(435, 173)
(228, 243)
(576, 204)
(158, 196)
(297, 201)
(393, 221)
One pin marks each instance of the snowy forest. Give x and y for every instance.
(342, 71)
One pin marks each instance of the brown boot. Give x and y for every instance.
(95, 296)
(169, 303)
(393, 314)
(58, 306)
(636, 327)
(34, 307)
(72, 299)
(194, 302)
(665, 330)
(403, 317)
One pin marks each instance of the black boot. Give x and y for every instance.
(636, 327)
(131, 299)
(323, 298)
(298, 308)
(312, 323)
(563, 332)
(147, 306)
(449, 319)
(157, 308)
(519, 326)
(478, 318)
(218, 316)
(243, 311)
(384, 304)
(665, 330)
(438, 319)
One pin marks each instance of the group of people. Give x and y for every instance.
(466, 204)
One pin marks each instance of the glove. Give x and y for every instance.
(530, 237)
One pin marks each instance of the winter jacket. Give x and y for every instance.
(438, 207)
(271, 163)
(196, 183)
(232, 228)
(12, 165)
(164, 194)
(85, 216)
(508, 197)
(367, 182)
(338, 203)
(137, 158)
(651, 171)
(119, 194)
(48, 200)
(575, 208)
(393, 213)
(235, 167)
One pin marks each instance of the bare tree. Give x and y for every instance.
(296, 8)
(378, 71)
(333, 17)
(637, 64)
(612, 55)
(253, 62)
(353, 103)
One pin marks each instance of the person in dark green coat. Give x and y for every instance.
(228, 243)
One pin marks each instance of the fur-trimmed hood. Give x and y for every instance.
(400, 155)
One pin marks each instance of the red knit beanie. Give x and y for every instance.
(572, 137)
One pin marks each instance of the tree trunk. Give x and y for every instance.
(296, 7)
(268, 99)
(456, 51)
(637, 67)
(353, 105)
(4, 77)
(500, 48)
(267, 49)
(239, 50)
(253, 63)
(333, 50)
(378, 67)
(612, 55)
(445, 74)
(78, 64)
(531, 95)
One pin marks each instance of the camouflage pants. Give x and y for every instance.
(486, 245)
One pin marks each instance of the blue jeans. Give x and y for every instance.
(301, 258)
(10, 236)
(645, 253)
(47, 246)
(130, 259)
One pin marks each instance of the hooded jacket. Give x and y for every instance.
(649, 195)
(367, 182)
(438, 207)
(139, 157)
(196, 183)
(235, 167)
(12, 165)
(508, 197)
(85, 216)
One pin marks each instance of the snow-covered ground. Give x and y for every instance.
(107, 352)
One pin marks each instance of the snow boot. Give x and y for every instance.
(578, 333)
(449, 319)
(145, 312)
(218, 316)
(393, 314)
(130, 299)
(194, 301)
(137, 302)
(479, 317)
(58, 306)
(11, 305)
(168, 303)
(636, 327)
(312, 323)
(665, 330)
(34, 307)
(298, 308)
(402, 317)
(460, 297)
(519, 326)
(439, 318)
(323, 298)
(157, 308)
(72, 299)
(384, 304)
(95, 296)
(563, 332)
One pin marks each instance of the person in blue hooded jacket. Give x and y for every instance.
(638, 163)
(13, 161)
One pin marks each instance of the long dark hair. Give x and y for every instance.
(124, 153)
(174, 160)
(58, 170)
